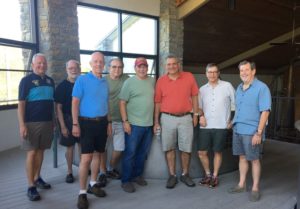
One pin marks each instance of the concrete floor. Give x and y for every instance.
(279, 186)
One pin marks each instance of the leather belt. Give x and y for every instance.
(93, 119)
(178, 115)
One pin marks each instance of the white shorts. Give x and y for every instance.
(117, 137)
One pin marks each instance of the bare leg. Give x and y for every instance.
(256, 170)
(95, 165)
(115, 158)
(69, 158)
(185, 162)
(102, 159)
(170, 156)
(243, 167)
(38, 163)
(84, 167)
(217, 163)
(30, 167)
(204, 160)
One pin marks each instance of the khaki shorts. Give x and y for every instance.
(117, 138)
(177, 131)
(39, 136)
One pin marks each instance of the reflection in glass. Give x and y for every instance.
(15, 20)
(139, 34)
(98, 29)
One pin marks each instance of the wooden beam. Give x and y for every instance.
(190, 6)
(256, 50)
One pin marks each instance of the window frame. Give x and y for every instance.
(33, 46)
(122, 54)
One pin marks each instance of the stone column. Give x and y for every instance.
(171, 32)
(58, 31)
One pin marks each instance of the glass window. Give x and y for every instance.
(17, 45)
(129, 66)
(98, 29)
(138, 34)
(117, 34)
(15, 20)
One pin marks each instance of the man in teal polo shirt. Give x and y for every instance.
(91, 122)
(253, 105)
(35, 113)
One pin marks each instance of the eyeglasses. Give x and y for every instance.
(117, 67)
(213, 72)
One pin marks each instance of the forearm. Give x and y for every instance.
(60, 115)
(123, 110)
(263, 120)
(75, 110)
(21, 113)
(195, 104)
(156, 113)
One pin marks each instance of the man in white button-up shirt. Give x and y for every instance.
(216, 101)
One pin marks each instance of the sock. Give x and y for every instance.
(102, 173)
(92, 183)
(109, 168)
(82, 191)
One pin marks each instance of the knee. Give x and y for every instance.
(202, 154)
(243, 158)
(85, 160)
(255, 162)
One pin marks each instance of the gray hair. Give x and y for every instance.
(209, 65)
(245, 62)
(37, 55)
(75, 61)
(172, 56)
(115, 59)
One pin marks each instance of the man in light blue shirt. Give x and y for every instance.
(253, 105)
(91, 121)
(216, 101)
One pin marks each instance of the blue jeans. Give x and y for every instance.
(137, 146)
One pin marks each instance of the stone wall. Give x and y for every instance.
(59, 41)
(171, 32)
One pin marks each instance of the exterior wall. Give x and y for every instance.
(171, 33)
(9, 130)
(59, 41)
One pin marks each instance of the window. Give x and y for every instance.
(117, 34)
(17, 45)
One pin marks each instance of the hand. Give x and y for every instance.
(155, 127)
(64, 132)
(195, 120)
(229, 125)
(76, 131)
(202, 121)
(109, 130)
(127, 127)
(256, 139)
(23, 131)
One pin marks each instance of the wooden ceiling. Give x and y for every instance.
(214, 33)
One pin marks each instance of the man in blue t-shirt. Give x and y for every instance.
(63, 100)
(35, 113)
(253, 105)
(91, 122)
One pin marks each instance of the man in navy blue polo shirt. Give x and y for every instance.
(253, 105)
(92, 123)
(35, 113)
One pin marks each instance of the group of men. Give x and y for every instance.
(92, 108)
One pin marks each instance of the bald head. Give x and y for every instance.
(97, 63)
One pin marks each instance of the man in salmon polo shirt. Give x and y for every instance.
(176, 97)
